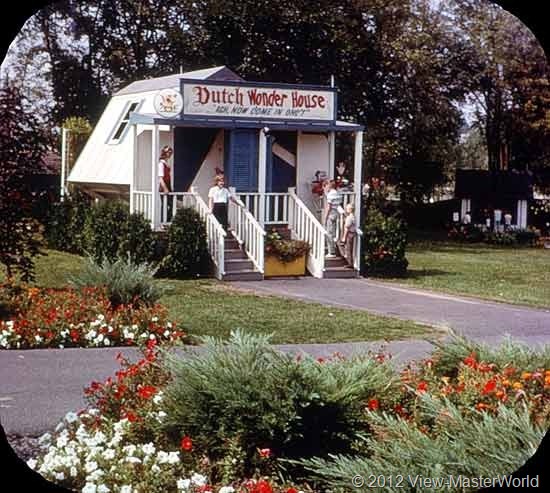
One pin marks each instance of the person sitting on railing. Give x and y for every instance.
(348, 234)
(331, 216)
(218, 200)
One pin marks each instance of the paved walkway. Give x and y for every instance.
(38, 387)
(480, 320)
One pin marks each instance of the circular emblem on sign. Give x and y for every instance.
(168, 103)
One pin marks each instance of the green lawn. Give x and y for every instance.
(208, 307)
(516, 275)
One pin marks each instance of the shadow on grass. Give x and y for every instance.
(420, 273)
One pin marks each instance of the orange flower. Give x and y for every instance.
(186, 444)
(265, 453)
(471, 361)
(506, 382)
(517, 385)
(500, 394)
(547, 380)
(480, 406)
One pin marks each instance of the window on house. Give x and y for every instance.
(123, 123)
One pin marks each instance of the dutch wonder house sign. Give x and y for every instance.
(258, 101)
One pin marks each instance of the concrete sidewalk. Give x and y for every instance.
(483, 321)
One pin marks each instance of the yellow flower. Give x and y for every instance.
(517, 385)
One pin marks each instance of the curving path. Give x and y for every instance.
(38, 387)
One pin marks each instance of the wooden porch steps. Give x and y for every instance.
(336, 268)
(238, 267)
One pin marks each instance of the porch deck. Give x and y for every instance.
(239, 255)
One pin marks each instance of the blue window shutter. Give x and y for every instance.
(243, 160)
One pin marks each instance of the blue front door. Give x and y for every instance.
(241, 159)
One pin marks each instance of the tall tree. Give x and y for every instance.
(21, 152)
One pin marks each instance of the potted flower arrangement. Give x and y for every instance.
(284, 257)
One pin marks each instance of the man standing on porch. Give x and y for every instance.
(333, 201)
(218, 199)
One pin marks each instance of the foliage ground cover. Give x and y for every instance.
(228, 309)
(515, 275)
(205, 422)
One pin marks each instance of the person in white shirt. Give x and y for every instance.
(331, 216)
(218, 199)
(165, 170)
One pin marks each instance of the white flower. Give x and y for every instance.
(38, 338)
(162, 457)
(73, 472)
(61, 442)
(99, 338)
(106, 342)
(183, 484)
(95, 476)
(227, 489)
(155, 468)
(108, 454)
(154, 319)
(129, 449)
(89, 488)
(173, 457)
(158, 397)
(160, 416)
(102, 489)
(152, 337)
(166, 333)
(90, 466)
(133, 460)
(126, 489)
(32, 463)
(198, 479)
(101, 317)
(148, 448)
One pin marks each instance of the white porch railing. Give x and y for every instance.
(268, 208)
(142, 203)
(305, 226)
(170, 202)
(215, 234)
(248, 231)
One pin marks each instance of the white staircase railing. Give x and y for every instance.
(305, 226)
(214, 232)
(248, 231)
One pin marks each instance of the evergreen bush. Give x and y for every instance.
(65, 220)
(111, 232)
(384, 244)
(246, 393)
(186, 247)
(126, 282)
(473, 445)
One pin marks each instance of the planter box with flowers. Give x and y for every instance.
(284, 257)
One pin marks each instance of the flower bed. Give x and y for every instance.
(59, 318)
(466, 413)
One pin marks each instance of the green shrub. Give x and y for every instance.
(111, 232)
(246, 393)
(384, 244)
(471, 446)
(138, 240)
(126, 283)
(186, 246)
(64, 225)
(467, 233)
(104, 228)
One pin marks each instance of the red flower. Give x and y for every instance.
(489, 387)
(131, 416)
(422, 386)
(471, 361)
(186, 444)
(265, 453)
(146, 391)
(373, 404)
(262, 486)
(291, 490)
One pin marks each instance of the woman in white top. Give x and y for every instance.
(218, 199)
(348, 235)
(331, 216)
